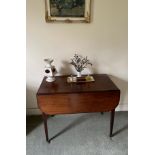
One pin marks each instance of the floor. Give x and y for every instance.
(78, 134)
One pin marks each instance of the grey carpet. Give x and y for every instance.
(78, 134)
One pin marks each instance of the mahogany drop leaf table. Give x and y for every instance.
(60, 97)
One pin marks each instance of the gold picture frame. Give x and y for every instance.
(73, 11)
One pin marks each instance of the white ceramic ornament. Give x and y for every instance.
(50, 70)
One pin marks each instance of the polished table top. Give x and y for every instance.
(60, 86)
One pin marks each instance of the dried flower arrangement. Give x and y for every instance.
(80, 62)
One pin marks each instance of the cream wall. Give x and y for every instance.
(104, 41)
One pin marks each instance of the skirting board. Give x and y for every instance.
(36, 111)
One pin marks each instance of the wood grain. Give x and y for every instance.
(78, 103)
(60, 85)
(61, 97)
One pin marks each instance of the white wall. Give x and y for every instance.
(104, 41)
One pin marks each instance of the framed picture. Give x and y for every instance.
(67, 11)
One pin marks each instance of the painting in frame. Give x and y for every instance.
(68, 11)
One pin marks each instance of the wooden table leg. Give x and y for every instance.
(45, 126)
(112, 122)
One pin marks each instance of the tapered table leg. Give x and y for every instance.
(45, 126)
(112, 122)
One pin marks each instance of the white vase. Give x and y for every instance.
(78, 74)
(49, 73)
